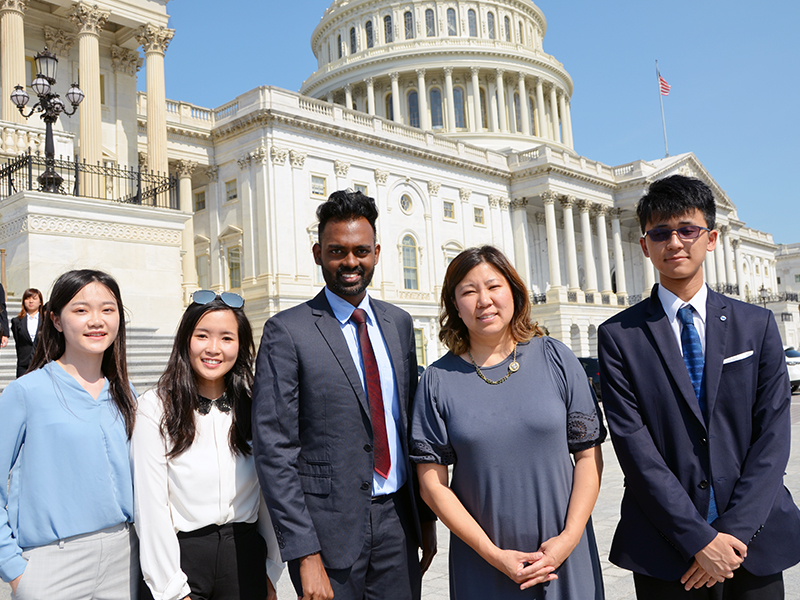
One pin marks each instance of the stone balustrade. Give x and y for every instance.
(17, 139)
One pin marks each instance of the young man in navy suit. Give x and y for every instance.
(697, 398)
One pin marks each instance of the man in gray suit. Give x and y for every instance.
(335, 378)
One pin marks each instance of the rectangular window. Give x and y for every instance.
(361, 187)
(231, 192)
(797, 278)
(319, 186)
(478, 216)
(202, 272)
(199, 201)
(235, 267)
(449, 210)
(419, 342)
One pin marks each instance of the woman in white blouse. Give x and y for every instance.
(204, 530)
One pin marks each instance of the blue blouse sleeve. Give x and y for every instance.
(585, 427)
(429, 439)
(12, 436)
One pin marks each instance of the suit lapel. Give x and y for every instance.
(716, 343)
(665, 342)
(330, 328)
(395, 349)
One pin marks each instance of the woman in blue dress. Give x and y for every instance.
(508, 408)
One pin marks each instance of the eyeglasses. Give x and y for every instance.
(686, 233)
(229, 298)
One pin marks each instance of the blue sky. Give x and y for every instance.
(732, 66)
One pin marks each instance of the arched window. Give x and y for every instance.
(410, 279)
(389, 106)
(339, 44)
(507, 27)
(458, 100)
(521, 33)
(370, 34)
(388, 30)
(532, 112)
(353, 41)
(436, 109)
(483, 109)
(517, 112)
(408, 20)
(490, 25)
(451, 22)
(472, 19)
(413, 109)
(430, 23)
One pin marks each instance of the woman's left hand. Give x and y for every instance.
(554, 552)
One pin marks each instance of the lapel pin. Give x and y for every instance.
(723, 318)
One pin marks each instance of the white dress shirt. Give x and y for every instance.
(33, 324)
(672, 304)
(205, 485)
(343, 310)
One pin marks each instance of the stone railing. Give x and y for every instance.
(18, 139)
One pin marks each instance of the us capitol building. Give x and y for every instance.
(450, 113)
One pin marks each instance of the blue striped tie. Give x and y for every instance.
(695, 364)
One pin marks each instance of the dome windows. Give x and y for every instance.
(430, 23)
(437, 120)
(413, 108)
(370, 34)
(472, 20)
(458, 101)
(507, 27)
(452, 29)
(490, 25)
(408, 21)
(388, 29)
(353, 41)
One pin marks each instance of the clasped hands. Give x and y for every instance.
(532, 568)
(715, 563)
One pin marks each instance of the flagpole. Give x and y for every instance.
(661, 100)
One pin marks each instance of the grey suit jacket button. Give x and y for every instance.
(703, 442)
(367, 448)
(365, 485)
(703, 485)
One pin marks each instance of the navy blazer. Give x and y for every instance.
(312, 433)
(668, 453)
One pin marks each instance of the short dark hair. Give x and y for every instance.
(674, 196)
(347, 205)
(52, 344)
(177, 387)
(454, 333)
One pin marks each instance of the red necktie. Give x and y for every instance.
(372, 379)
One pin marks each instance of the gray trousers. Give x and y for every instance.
(103, 565)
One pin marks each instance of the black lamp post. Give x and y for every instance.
(50, 105)
(764, 295)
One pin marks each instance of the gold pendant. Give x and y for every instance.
(513, 367)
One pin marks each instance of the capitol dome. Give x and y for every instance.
(473, 70)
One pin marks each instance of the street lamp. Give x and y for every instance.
(764, 295)
(50, 105)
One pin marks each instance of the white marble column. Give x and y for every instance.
(185, 168)
(562, 111)
(573, 281)
(519, 224)
(154, 41)
(569, 125)
(554, 113)
(89, 21)
(711, 269)
(348, 96)
(549, 200)
(370, 95)
(588, 252)
(540, 109)
(501, 101)
(719, 261)
(730, 262)
(396, 96)
(491, 99)
(619, 259)
(523, 105)
(422, 95)
(451, 103)
(329, 97)
(476, 98)
(12, 55)
(649, 275)
(602, 240)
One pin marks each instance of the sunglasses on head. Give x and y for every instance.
(229, 298)
(687, 232)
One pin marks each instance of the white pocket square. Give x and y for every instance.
(741, 356)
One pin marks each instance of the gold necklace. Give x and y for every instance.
(512, 368)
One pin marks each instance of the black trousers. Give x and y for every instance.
(743, 586)
(388, 566)
(227, 562)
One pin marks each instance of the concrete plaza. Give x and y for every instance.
(618, 583)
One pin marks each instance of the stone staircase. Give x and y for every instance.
(147, 354)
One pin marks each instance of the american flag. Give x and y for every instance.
(665, 87)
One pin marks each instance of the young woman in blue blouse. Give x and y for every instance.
(64, 429)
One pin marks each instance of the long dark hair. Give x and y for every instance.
(30, 293)
(51, 344)
(177, 387)
(454, 333)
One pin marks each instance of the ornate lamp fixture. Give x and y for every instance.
(50, 105)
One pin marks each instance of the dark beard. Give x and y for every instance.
(340, 288)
